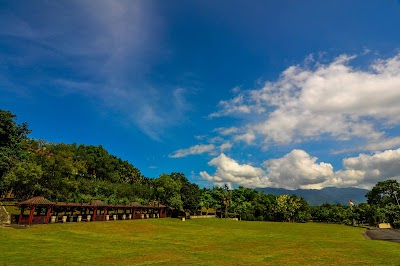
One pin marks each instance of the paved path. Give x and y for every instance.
(384, 234)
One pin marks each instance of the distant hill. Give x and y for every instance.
(331, 195)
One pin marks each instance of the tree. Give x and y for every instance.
(303, 213)
(384, 192)
(24, 180)
(189, 192)
(12, 138)
(238, 200)
(206, 200)
(168, 191)
(227, 198)
(218, 199)
(286, 207)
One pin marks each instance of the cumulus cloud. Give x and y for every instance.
(196, 149)
(382, 145)
(229, 171)
(381, 165)
(376, 146)
(298, 169)
(335, 100)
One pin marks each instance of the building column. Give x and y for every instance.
(31, 213)
(48, 215)
(104, 214)
(94, 214)
(20, 215)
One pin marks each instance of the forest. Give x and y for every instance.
(81, 173)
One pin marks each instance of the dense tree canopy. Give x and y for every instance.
(12, 138)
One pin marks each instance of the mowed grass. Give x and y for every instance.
(199, 242)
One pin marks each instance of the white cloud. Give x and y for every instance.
(247, 137)
(335, 100)
(196, 149)
(365, 171)
(225, 146)
(298, 169)
(229, 171)
(226, 131)
(235, 106)
(381, 165)
(382, 144)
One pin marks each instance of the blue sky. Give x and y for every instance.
(255, 93)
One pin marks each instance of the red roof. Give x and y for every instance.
(94, 203)
(36, 201)
(97, 203)
(137, 205)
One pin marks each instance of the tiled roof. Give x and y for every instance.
(72, 204)
(36, 201)
(137, 204)
(94, 203)
(97, 203)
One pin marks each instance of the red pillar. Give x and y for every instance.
(32, 211)
(104, 214)
(48, 215)
(20, 216)
(161, 214)
(140, 213)
(94, 214)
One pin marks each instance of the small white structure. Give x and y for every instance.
(385, 225)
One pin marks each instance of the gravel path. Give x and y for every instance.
(383, 234)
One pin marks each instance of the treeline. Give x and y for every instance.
(80, 173)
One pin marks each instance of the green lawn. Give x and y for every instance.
(200, 242)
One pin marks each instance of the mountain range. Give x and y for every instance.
(316, 197)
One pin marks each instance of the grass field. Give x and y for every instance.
(199, 242)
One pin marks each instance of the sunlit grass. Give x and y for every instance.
(200, 242)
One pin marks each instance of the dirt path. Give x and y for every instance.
(383, 234)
